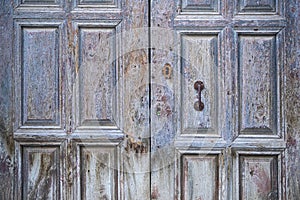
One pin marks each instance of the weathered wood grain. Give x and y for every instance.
(251, 6)
(163, 125)
(98, 175)
(258, 83)
(292, 96)
(135, 73)
(6, 101)
(258, 177)
(37, 74)
(40, 173)
(257, 174)
(200, 6)
(136, 122)
(199, 54)
(96, 75)
(200, 177)
(39, 92)
(244, 29)
(193, 54)
(40, 75)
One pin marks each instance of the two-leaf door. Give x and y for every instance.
(136, 99)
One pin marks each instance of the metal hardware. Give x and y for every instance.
(199, 86)
(167, 71)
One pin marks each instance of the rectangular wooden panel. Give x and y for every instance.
(97, 2)
(40, 171)
(258, 177)
(38, 5)
(257, 6)
(200, 177)
(87, 5)
(98, 172)
(40, 76)
(39, 1)
(258, 83)
(201, 6)
(199, 56)
(97, 76)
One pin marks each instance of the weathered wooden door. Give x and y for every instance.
(183, 99)
(219, 122)
(77, 71)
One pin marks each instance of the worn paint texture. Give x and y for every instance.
(89, 110)
(6, 103)
(238, 51)
(163, 128)
(292, 47)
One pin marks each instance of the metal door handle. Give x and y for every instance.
(199, 86)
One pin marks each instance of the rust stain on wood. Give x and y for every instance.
(155, 193)
(136, 145)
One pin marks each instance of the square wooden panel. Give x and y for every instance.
(258, 175)
(200, 176)
(98, 171)
(40, 171)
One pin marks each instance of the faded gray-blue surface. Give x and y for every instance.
(163, 12)
(6, 64)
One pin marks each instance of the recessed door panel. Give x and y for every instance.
(259, 58)
(97, 76)
(200, 176)
(98, 172)
(199, 55)
(257, 175)
(40, 69)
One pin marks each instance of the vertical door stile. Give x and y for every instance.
(163, 74)
(135, 65)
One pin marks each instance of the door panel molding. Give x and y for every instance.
(40, 169)
(258, 107)
(199, 7)
(263, 8)
(196, 65)
(39, 6)
(193, 164)
(258, 174)
(98, 81)
(96, 5)
(266, 51)
(98, 168)
(38, 105)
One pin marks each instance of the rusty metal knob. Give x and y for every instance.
(199, 86)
